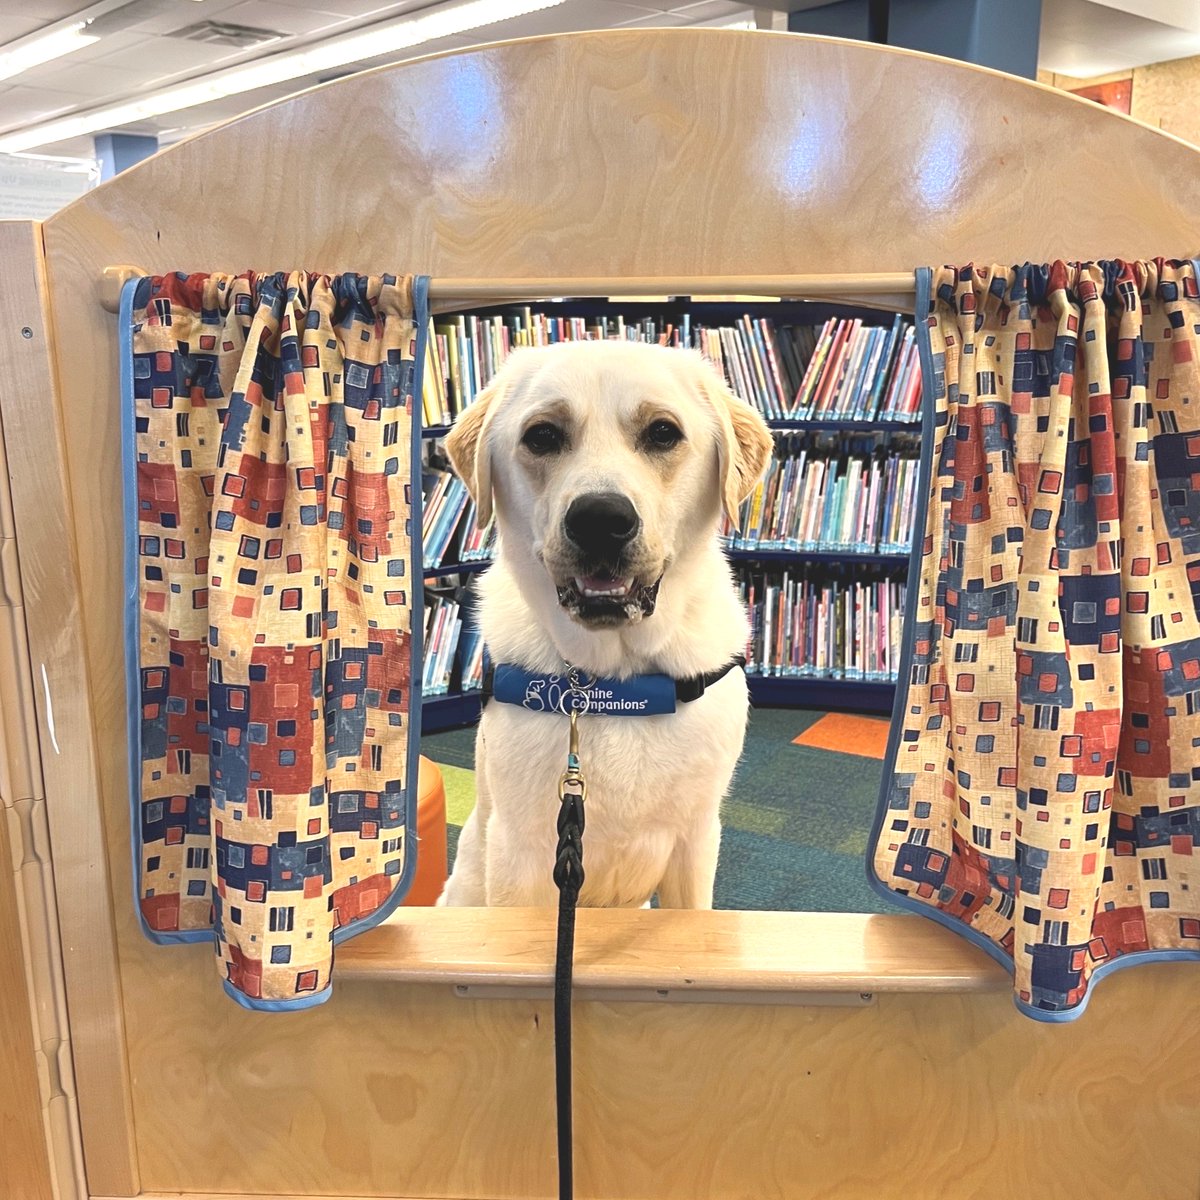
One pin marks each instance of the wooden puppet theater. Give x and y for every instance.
(717, 1054)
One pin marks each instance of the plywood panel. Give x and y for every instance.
(407, 1091)
(26, 1168)
(38, 1115)
(25, 1162)
(64, 712)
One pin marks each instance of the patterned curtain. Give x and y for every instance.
(1042, 787)
(273, 623)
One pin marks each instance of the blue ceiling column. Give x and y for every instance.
(116, 151)
(991, 33)
(843, 18)
(1002, 34)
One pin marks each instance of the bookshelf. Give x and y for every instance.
(830, 429)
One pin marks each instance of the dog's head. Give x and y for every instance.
(609, 461)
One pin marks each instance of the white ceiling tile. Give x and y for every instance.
(1082, 39)
(92, 79)
(44, 10)
(571, 17)
(108, 44)
(54, 96)
(25, 105)
(18, 26)
(154, 57)
(1167, 12)
(705, 10)
(79, 147)
(178, 16)
(283, 18)
(658, 20)
(357, 8)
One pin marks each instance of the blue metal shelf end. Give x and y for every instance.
(460, 568)
(452, 711)
(848, 695)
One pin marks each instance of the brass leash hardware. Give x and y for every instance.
(572, 790)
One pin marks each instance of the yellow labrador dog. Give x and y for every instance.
(607, 464)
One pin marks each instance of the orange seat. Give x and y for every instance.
(431, 836)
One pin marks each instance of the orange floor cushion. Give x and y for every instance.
(431, 836)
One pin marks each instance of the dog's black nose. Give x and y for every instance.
(600, 523)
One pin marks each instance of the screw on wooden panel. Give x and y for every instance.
(27, 332)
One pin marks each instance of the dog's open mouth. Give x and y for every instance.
(608, 599)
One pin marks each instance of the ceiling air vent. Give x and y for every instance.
(220, 33)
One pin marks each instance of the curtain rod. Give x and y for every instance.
(446, 290)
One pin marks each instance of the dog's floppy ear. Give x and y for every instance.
(466, 445)
(745, 444)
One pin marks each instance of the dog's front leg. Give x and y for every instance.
(692, 868)
(467, 885)
(520, 863)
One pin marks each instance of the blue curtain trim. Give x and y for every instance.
(420, 300)
(132, 617)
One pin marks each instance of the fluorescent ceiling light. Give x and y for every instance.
(32, 52)
(69, 159)
(280, 68)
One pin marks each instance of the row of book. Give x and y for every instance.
(806, 624)
(812, 500)
(861, 372)
(449, 524)
(843, 370)
(813, 626)
(452, 645)
(817, 499)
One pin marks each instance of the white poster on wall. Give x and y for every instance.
(32, 189)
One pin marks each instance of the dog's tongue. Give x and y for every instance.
(602, 583)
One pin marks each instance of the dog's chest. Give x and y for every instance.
(661, 772)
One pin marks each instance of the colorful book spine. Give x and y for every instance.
(829, 628)
(815, 499)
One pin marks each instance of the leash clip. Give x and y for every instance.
(576, 696)
(572, 791)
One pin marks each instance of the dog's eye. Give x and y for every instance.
(543, 438)
(662, 435)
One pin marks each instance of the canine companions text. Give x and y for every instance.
(607, 465)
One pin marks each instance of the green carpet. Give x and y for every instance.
(796, 820)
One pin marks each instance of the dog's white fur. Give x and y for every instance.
(654, 784)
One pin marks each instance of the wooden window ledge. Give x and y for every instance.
(640, 954)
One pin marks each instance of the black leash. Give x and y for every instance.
(568, 876)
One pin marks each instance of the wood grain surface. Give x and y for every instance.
(63, 871)
(394, 1090)
(770, 952)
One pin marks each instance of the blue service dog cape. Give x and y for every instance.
(637, 696)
